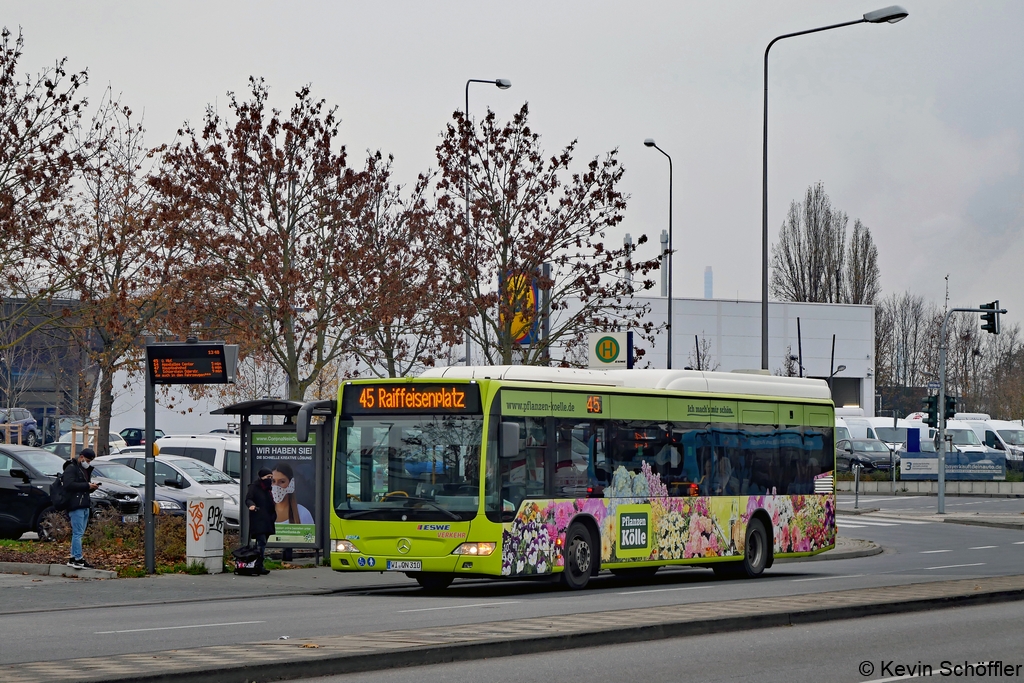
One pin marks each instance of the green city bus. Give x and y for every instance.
(519, 472)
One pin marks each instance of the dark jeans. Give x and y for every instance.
(261, 544)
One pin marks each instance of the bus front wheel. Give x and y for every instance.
(579, 557)
(755, 555)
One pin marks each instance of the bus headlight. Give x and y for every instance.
(475, 549)
(343, 546)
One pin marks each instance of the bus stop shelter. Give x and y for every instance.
(302, 471)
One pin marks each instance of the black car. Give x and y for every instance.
(871, 454)
(25, 477)
(137, 437)
(171, 501)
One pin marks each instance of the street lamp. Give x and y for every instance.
(649, 142)
(502, 84)
(889, 15)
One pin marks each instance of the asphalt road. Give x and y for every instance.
(832, 651)
(916, 551)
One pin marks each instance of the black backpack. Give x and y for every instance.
(59, 497)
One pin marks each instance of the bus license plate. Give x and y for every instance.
(404, 565)
(130, 519)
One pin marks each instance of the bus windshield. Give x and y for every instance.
(423, 467)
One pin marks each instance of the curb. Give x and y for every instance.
(54, 570)
(336, 655)
(858, 511)
(871, 549)
(1016, 526)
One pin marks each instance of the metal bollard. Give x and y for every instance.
(856, 487)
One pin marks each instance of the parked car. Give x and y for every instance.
(193, 477)
(25, 477)
(58, 427)
(871, 454)
(113, 495)
(171, 501)
(220, 450)
(134, 436)
(115, 442)
(23, 418)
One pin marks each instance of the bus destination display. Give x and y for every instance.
(378, 399)
(187, 364)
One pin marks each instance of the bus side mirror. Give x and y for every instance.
(305, 415)
(509, 439)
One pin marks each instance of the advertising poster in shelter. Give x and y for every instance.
(294, 487)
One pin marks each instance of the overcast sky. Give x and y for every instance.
(915, 128)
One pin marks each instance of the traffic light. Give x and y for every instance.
(950, 411)
(990, 320)
(931, 406)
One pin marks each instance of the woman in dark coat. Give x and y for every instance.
(262, 516)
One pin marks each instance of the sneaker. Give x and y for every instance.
(84, 564)
(76, 564)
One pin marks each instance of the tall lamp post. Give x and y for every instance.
(886, 15)
(649, 142)
(503, 84)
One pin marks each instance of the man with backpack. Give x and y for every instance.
(77, 487)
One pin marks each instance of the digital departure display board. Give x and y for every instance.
(187, 364)
(389, 399)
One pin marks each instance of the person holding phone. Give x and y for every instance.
(76, 479)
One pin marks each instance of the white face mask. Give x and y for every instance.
(279, 492)
(86, 464)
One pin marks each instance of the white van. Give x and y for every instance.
(221, 451)
(842, 431)
(880, 428)
(965, 439)
(1001, 435)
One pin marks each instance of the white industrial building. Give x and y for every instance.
(732, 329)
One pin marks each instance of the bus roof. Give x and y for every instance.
(691, 381)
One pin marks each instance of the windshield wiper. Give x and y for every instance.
(452, 515)
(352, 514)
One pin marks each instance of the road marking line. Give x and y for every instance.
(929, 552)
(1018, 542)
(825, 578)
(897, 520)
(954, 566)
(661, 590)
(983, 547)
(868, 523)
(172, 628)
(846, 525)
(478, 604)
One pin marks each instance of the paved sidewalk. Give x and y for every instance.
(330, 654)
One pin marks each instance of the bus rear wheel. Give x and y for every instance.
(755, 555)
(434, 582)
(579, 557)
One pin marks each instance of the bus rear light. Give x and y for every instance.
(475, 549)
(559, 542)
(343, 546)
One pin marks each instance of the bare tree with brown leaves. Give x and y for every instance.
(123, 264)
(270, 206)
(403, 323)
(38, 117)
(528, 210)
